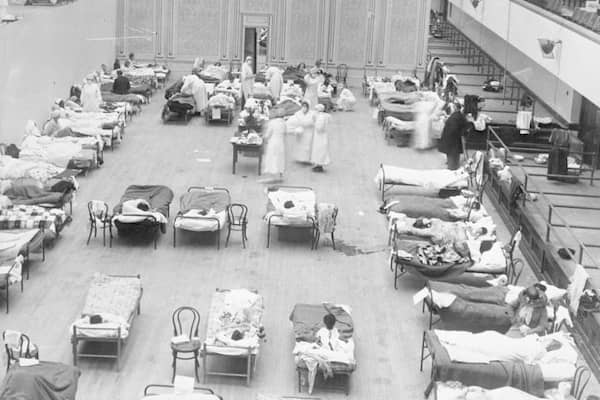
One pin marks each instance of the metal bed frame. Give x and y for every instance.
(249, 356)
(117, 339)
(311, 223)
(149, 390)
(219, 227)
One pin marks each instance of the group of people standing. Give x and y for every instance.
(309, 125)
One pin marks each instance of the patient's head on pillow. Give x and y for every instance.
(288, 204)
(532, 293)
(95, 319)
(143, 206)
(329, 320)
(237, 335)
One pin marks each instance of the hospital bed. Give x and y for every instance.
(45, 380)
(167, 392)
(21, 242)
(135, 222)
(300, 214)
(108, 126)
(11, 272)
(59, 152)
(178, 107)
(53, 194)
(487, 308)
(398, 105)
(51, 221)
(202, 209)
(235, 310)
(306, 320)
(220, 108)
(116, 299)
(531, 378)
(432, 180)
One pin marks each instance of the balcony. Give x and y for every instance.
(581, 12)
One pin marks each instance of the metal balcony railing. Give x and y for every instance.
(576, 11)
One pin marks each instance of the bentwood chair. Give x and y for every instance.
(99, 218)
(18, 345)
(514, 266)
(237, 221)
(185, 322)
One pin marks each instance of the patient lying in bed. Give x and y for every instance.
(555, 354)
(136, 209)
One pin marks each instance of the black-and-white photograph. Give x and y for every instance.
(299, 199)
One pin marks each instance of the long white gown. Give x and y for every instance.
(302, 125)
(247, 80)
(312, 89)
(274, 152)
(195, 87)
(320, 145)
(275, 79)
(346, 100)
(91, 98)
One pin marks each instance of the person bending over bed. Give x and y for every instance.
(328, 337)
(121, 84)
(531, 315)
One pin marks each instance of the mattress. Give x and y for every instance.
(234, 310)
(203, 210)
(31, 217)
(431, 178)
(302, 210)
(490, 376)
(116, 299)
(14, 242)
(45, 381)
(307, 319)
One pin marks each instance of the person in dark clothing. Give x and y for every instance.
(117, 64)
(451, 141)
(121, 85)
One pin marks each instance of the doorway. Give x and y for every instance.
(256, 45)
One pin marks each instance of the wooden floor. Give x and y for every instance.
(388, 326)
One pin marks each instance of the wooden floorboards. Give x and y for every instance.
(388, 326)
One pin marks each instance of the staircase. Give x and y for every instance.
(472, 66)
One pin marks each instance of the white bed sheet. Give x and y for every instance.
(429, 178)
(199, 224)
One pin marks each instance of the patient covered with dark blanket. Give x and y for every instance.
(145, 218)
(28, 191)
(44, 381)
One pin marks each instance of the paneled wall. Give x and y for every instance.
(388, 35)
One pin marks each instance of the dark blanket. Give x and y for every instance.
(307, 319)
(46, 381)
(200, 199)
(490, 295)
(494, 375)
(181, 104)
(28, 192)
(423, 207)
(475, 317)
(128, 98)
(159, 197)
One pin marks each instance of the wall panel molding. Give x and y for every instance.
(382, 34)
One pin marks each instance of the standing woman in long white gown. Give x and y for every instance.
(91, 98)
(302, 124)
(195, 87)
(313, 80)
(319, 156)
(275, 79)
(274, 150)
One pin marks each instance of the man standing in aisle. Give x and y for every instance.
(247, 78)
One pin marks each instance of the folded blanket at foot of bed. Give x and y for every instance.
(44, 381)
(234, 310)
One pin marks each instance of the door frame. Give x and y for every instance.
(256, 20)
